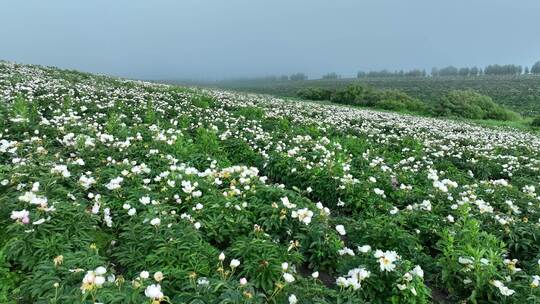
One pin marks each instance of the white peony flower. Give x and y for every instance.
(144, 275)
(341, 230)
(235, 263)
(153, 292)
(289, 278)
(100, 270)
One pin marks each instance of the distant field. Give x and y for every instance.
(521, 94)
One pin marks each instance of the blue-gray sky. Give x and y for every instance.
(235, 38)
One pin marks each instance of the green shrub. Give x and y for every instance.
(262, 260)
(469, 104)
(536, 122)
(355, 94)
(380, 99)
(314, 93)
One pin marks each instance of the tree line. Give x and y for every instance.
(492, 69)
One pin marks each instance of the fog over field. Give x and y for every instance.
(240, 38)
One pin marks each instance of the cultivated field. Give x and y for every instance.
(519, 93)
(117, 191)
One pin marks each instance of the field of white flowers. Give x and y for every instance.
(117, 191)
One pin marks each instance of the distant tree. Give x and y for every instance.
(464, 71)
(298, 76)
(284, 77)
(448, 71)
(360, 74)
(526, 70)
(414, 73)
(331, 76)
(382, 73)
(506, 69)
(434, 71)
(536, 68)
(474, 71)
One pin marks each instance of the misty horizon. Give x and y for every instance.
(210, 40)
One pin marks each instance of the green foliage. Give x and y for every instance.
(110, 186)
(8, 281)
(380, 99)
(519, 93)
(262, 260)
(536, 122)
(469, 104)
(314, 94)
(250, 113)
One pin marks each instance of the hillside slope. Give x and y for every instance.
(120, 191)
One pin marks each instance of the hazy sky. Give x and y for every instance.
(230, 38)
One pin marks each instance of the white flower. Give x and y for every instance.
(293, 299)
(304, 215)
(243, 281)
(417, 271)
(505, 291)
(341, 230)
(222, 256)
(536, 281)
(286, 203)
(364, 249)
(386, 260)
(22, 216)
(114, 183)
(353, 278)
(101, 270)
(289, 278)
(99, 280)
(39, 222)
(465, 261)
(203, 281)
(145, 200)
(284, 266)
(144, 275)
(315, 274)
(346, 251)
(153, 292)
(132, 211)
(158, 276)
(155, 222)
(62, 170)
(235, 263)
